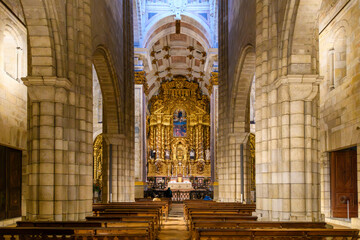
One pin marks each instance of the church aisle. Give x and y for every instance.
(174, 228)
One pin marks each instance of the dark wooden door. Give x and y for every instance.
(2, 182)
(344, 183)
(14, 183)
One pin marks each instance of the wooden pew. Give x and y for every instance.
(36, 233)
(256, 225)
(262, 225)
(239, 211)
(163, 200)
(218, 218)
(86, 228)
(203, 206)
(63, 224)
(127, 221)
(132, 210)
(156, 216)
(212, 234)
(163, 204)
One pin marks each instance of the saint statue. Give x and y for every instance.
(192, 154)
(207, 154)
(167, 154)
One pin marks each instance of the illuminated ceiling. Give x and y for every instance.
(162, 53)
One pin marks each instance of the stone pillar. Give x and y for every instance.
(119, 172)
(60, 185)
(325, 184)
(140, 141)
(287, 163)
(213, 138)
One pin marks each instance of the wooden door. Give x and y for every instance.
(344, 183)
(2, 182)
(14, 183)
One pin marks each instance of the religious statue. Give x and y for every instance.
(152, 154)
(180, 160)
(167, 154)
(207, 155)
(192, 154)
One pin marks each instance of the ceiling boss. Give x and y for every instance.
(178, 130)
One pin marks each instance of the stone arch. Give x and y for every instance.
(45, 40)
(110, 90)
(241, 90)
(302, 57)
(166, 25)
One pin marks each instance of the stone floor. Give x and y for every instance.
(174, 228)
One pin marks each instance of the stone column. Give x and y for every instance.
(119, 170)
(53, 179)
(213, 138)
(288, 177)
(325, 184)
(140, 141)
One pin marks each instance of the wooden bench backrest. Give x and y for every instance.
(252, 224)
(70, 224)
(275, 233)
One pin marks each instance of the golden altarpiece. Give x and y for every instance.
(178, 131)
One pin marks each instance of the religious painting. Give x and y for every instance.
(180, 123)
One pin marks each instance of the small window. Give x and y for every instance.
(331, 71)
(339, 57)
(100, 110)
(11, 57)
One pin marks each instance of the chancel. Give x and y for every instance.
(179, 119)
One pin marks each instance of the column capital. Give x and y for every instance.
(47, 88)
(47, 81)
(297, 87)
(140, 79)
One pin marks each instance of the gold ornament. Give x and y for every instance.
(173, 145)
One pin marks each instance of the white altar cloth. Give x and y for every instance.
(180, 185)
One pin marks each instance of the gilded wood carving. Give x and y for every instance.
(178, 130)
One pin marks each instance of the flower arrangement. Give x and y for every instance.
(192, 178)
(96, 187)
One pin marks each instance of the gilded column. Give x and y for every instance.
(201, 142)
(158, 139)
(162, 141)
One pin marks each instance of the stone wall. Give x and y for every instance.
(15, 7)
(237, 68)
(242, 23)
(65, 39)
(287, 114)
(340, 88)
(60, 129)
(13, 93)
(112, 41)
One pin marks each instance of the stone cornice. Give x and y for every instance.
(47, 81)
